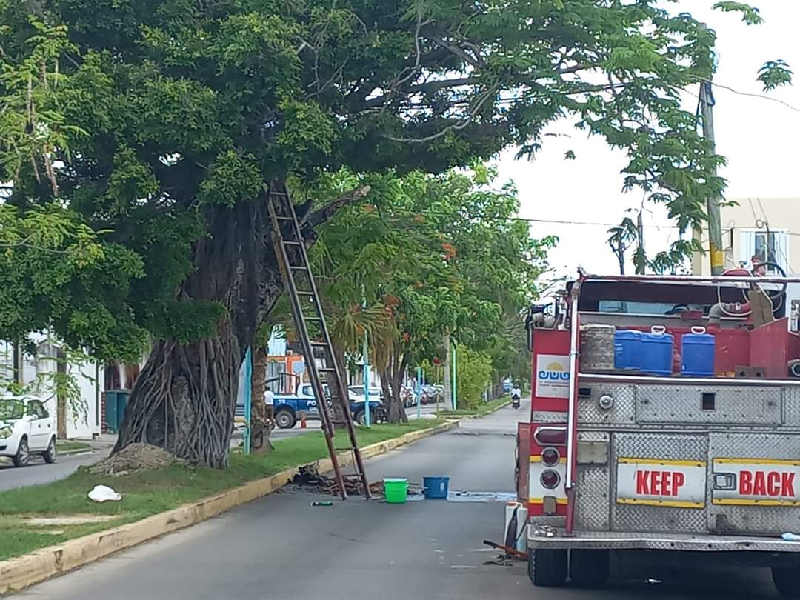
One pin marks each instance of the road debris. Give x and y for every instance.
(103, 493)
(510, 552)
(309, 477)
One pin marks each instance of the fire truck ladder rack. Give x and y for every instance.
(293, 259)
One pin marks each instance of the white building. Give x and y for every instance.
(39, 374)
(765, 227)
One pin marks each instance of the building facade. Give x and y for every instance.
(765, 227)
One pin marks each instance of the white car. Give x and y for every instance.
(26, 428)
(357, 393)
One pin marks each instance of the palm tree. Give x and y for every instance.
(621, 238)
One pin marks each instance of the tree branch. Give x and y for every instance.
(318, 217)
(430, 86)
(475, 61)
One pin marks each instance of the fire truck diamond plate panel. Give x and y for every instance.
(593, 502)
(621, 412)
(708, 404)
(791, 406)
(663, 446)
(760, 520)
(642, 518)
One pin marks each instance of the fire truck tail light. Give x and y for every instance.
(550, 479)
(725, 481)
(551, 456)
(550, 436)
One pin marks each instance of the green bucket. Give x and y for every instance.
(395, 490)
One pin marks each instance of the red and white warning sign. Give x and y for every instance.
(756, 482)
(656, 482)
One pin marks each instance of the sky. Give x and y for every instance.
(759, 138)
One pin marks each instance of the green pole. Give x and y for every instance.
(454, 385)
(419, 393)
(248, 399)
(367, 416)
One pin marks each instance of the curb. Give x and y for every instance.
(494, 410)
(30, 569)
(76, 452)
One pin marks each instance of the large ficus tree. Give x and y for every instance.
(162, 125)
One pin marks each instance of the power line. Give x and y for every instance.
(657, 226)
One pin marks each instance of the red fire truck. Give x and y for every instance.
(670, 466)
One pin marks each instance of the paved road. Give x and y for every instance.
(39, 472)
(428, 411)
(283, 549)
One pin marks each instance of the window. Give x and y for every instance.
(37, 409)
(645, 308)
(770, 246)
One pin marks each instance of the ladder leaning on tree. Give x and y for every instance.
(299, 281)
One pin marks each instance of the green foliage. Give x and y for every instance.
(474, 375)
(750, 14)
(774, 74)
(163, 112)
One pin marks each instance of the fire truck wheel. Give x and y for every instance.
(547, 568)
(786, 582)
(589, 568)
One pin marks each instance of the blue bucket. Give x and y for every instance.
(436, 488)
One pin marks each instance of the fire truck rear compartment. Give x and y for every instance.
(654, 457)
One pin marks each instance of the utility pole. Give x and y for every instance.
(640, 252)
(712, 202)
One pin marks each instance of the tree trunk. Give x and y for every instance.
(447, 392)
(61, 401)
(340, 407)
(184, 399)
(397, 412)
(260, 424)
(386, 388)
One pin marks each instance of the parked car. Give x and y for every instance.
(358, 400)
(430, 393)
(288, 407)
(26, 428)
(408, 396)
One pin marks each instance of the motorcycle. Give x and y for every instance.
(515, 402)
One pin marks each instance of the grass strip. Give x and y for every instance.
(150, 492)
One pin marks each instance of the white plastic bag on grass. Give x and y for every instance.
(103, 493)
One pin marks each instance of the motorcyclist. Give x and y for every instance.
(516, 395)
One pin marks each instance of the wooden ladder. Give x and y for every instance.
(299, 281)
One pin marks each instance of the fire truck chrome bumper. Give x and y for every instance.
(547, 537)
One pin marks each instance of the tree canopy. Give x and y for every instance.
(429, 255)
(153, 131)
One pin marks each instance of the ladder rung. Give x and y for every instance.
(280, 218)
(319, 344)
(298, 268)
(308, 294)
(326, 370)
(290, 243)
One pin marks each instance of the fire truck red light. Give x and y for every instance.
(551, 437)
(550, 457)
(550, 479)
